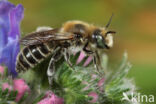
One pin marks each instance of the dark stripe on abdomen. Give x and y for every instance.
(32, 55)
(43, 49)
(28, 56)
(36, 52)
(23, 61)
(19, 67)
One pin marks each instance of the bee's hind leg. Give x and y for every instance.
(51, 68)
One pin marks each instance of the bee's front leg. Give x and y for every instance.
(51, 68)
(95, 62)
(67, 57)
(87, 50)
(94, 54)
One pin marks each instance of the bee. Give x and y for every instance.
(72, 37)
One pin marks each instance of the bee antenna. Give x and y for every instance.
(109, 21)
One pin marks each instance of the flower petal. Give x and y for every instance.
(6, 86)
(101, 82)
(81, 57)
(8, 55)
(94, 95)
(21, 87)
(51, 98)
(1, 70)
(10, 18)
(15, 16)
(5, 8)
(89, 59)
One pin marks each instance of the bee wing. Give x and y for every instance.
(45, 36)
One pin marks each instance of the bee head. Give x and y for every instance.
(102, 39)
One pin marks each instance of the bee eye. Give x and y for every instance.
(100, 41)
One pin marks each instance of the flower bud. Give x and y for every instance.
(6, 86)
(21, 87)
(1, 70)
(94, 95)
(51, 98)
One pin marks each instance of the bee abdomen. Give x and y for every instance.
(30, 56)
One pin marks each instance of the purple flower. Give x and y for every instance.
(6, 86)
(51, 98)
(10, 18)
(21, 87)
(94, 95)
(81, 58)
(87, 62)
(101, 83)
(1, 70)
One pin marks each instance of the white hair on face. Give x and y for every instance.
(109, 39)
(43, 28)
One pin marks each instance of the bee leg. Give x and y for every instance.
(86, 50)
(51, 68)
(98, 59)
(96, 65)
(51, 71)
(67, 57)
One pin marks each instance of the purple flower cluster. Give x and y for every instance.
(18, 85)
(81, 58)
(51, 98)
(10, 18)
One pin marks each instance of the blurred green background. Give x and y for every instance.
(134, 21)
